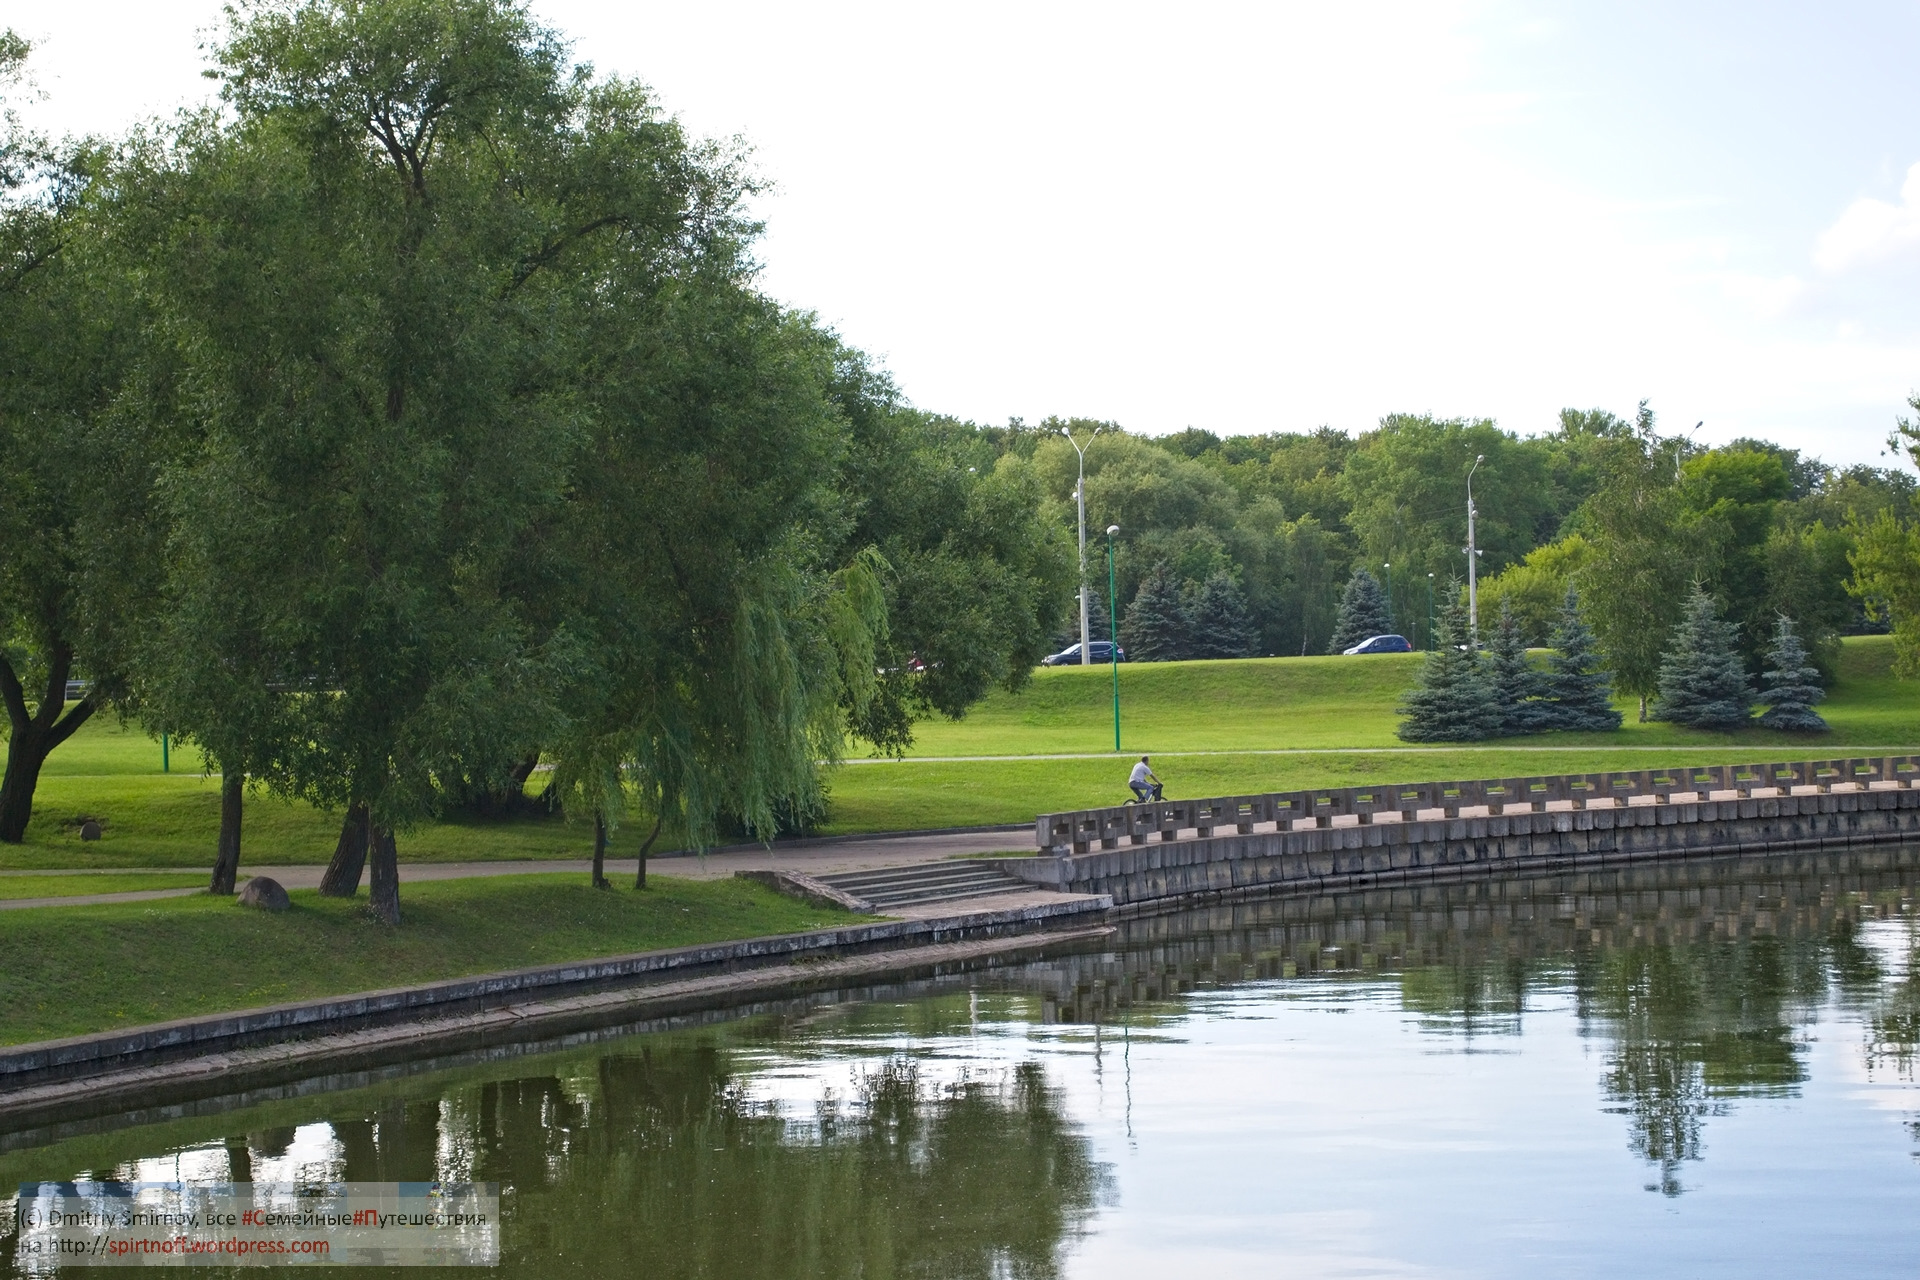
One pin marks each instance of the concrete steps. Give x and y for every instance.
(926, 882)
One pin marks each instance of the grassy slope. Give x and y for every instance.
(72, 970)
(1302, 705)
(1340, 706)
(66, 886)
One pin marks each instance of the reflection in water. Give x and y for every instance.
(943, 1128)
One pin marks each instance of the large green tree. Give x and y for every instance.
(77, 547)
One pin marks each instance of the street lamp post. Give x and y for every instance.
(1473, 559)
(1113, 634)
(1679, 441)
(1429, 611)
(1388, 566)
(1080, 495)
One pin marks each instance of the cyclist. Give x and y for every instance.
(1145, 785)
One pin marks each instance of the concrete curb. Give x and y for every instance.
(81, 1058)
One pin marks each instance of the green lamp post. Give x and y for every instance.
(1113, 634)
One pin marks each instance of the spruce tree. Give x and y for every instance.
(1792, 684)
(1516, 684)
(1219, 623)
(1155, 628)
(1703, 682)
(1363, 612)
(1576, 692)
(1453, 701)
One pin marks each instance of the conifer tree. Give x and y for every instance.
(1453, 701)
(1792, 684)
(1576, 692)
(1363, 612)
(1516, 684)
(1155, 628)
(1218, 620)
(1703, 683)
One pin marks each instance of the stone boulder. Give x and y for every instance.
(265, 893)
(90, 830)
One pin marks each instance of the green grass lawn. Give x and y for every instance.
(72, 970)
(72, 886)
(1336, 713)
(1266, 704)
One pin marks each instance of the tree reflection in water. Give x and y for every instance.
(665, 1156)
(1700, 978)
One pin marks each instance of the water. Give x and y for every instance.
(1700, 1070)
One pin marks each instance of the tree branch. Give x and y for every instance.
(529, 267)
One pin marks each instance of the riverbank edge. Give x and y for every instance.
(192, 1047)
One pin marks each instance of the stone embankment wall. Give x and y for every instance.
(1361, 837)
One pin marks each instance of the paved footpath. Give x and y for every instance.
(810, 858)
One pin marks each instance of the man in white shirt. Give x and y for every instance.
(1145, 785)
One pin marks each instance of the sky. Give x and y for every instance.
(1271, 216)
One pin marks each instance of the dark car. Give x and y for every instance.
(1102, 651)
(1381, 644)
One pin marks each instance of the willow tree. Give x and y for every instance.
(77, 550)
(409, 239)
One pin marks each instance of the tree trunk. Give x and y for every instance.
(342, 879)
(33, 737)
(600, 852)
(383, 890)
(640, 880)
(226, 862)
(1643, 708)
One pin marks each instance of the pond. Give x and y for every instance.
(1700, 1069)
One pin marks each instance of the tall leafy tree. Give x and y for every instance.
(1576, 691)
(1703, 681)
(397, 245)
(1634, 586)
(1453, 699)
(1363, 612)
(78, 551)
(1791, 684)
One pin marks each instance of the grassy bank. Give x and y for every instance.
(1335, 714)
(72, 970)
(68, 886)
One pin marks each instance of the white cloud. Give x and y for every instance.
(1872, 230)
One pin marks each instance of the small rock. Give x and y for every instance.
(89, 830)
(265, 893)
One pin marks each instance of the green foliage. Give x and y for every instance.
(1790, 684)
(1218, 622)
(1363, 613)
(1453, 700)
(1157, 628)
(1536, 587)
(1514, 682)
(1703, 681)
(1886, 575)
(1575, 692)
(1635, 584)
(1407, 484)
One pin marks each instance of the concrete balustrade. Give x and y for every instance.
(1082, 830)
(1328, 836)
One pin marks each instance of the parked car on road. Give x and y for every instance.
(1101, 651)
(1381, 644)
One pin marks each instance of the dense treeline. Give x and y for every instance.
(1286, 525)
(413, 416)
